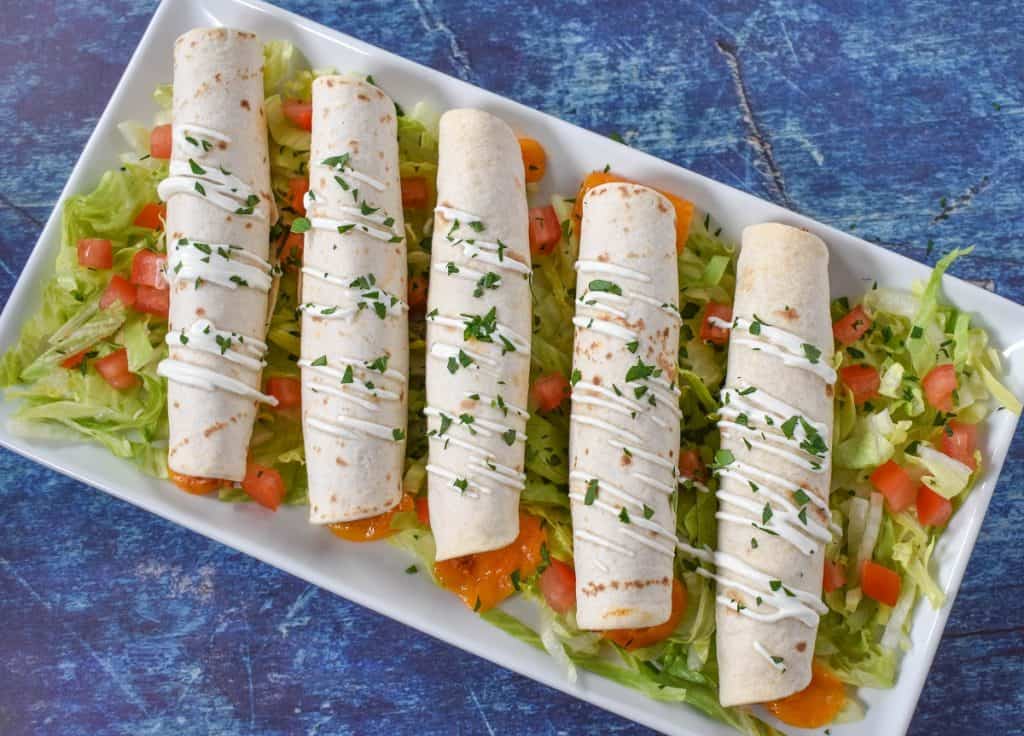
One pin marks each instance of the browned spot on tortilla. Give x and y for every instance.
(362, 97)
(248, 226)
(385, 118)
(829, 391)
(214, 428)
(329, 82)
(788, 313)
(467, 404)
(388, 477)
(222, 145)
(661, 206)
(339, 461)
(177, 405)
(245, 104)
(626, 460)
(597, 380)
(200, 312)
(380, 94)
(801, 646)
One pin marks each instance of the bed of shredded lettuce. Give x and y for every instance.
(911, 332)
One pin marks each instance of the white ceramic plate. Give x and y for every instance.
(372, 575)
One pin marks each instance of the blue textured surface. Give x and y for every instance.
(901, 120)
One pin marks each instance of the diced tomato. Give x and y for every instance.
(73, 361)
(834, 576)
(373, 528)
(630, 639)
(684, 209)
(418, 292)
(95, 253)
(959, 440)
(264, 485)
(939, 385)
(160, 141)
(558, 584)
(896, 484)
(290, 254)
(534, 159)
(114, 369)
(414, 192)
(299, 113)
(196, 486)
(879, 582)
(287, 391)
(714, 333)
(691, 465)
(148, 269)
(153, 301)
(119, 289)
(485, 579)
(297, 188)
(932, 509)
(815, 706)
(849, 329)
(152, 215)
(423, 509)
(863, 380)
(545, 231)
(550, 391)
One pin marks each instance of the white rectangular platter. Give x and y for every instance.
(372, 575)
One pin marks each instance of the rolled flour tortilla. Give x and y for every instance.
(774, 469)
(219, 211)
(478, 336)
(624, 435)
(355, 348)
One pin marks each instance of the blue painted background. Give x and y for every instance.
(899, 121)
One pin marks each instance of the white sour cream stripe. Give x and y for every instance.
(208, 180)
(203, 335)
(786, 346)
(218, 263)
(209, 380)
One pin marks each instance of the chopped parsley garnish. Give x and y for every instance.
(811, 352)
(591, 496)
(300, 225)
(641, 371)
(607, 286)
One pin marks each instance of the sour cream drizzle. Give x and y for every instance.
(772, 426)
(776, 662)
(482, 250)
(501, 330)
(473, 427)
(658, 402)
(209, 380)
(372, 221)
(795, 603)
(201, 175)
(224, 264)
(203, 335)
(789, 348)
(218, 263)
